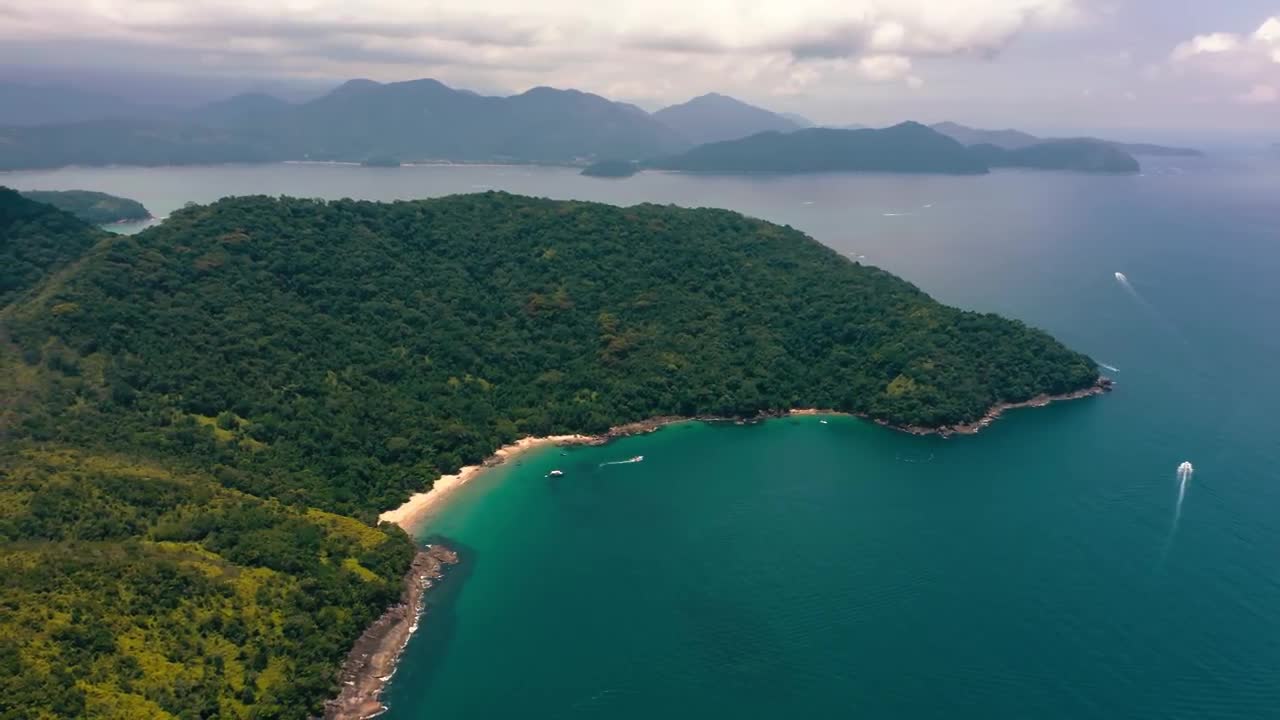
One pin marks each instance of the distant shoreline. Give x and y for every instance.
(410, 514)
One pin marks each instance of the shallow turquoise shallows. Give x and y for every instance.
(801, 569)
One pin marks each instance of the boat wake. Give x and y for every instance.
(1184, 473)
(1111, 368)
(628, 461)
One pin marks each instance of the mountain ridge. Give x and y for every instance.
(713, 117)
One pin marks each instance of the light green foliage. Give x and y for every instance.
(130, 590)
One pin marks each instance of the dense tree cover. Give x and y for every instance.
(131, 591)
(131, 587)
(1076, 155)
(36, 240)
(906, 147)
(344, 354)
(182, 400)
(92, 207)
(611, 169)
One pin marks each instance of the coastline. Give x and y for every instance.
(418, 504)
(410, 513)
(372, 660)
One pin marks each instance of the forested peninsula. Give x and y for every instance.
(207, 417)
(93, 207)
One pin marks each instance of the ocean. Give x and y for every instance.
(1045, 568)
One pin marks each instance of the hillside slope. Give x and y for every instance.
(353, 351)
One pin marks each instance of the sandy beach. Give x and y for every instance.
(420, 504)
(410, 514)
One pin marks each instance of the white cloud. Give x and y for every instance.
(881, 68)
(1248, 63)
(1207, 44)
(683, 47)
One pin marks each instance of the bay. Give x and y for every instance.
(805, 569)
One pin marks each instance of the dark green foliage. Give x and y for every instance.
(35, 240)
(907, 147)
(344, 354)
(92, 207)
(611, 169)
(181, 397)
(1077, 155)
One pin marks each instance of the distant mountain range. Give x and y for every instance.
(715, 118)
(427, 121)
(24, 104)
(1010, 139)
(421, 120)
(907, 147)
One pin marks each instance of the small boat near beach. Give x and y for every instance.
(555, 473)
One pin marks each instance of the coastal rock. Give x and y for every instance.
(373, 658)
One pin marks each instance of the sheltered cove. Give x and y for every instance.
(410, 514)
(373, 659)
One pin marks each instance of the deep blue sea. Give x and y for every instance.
(1042, 569)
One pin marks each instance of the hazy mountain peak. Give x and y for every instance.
(713, 117)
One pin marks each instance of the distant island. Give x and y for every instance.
(207, 418)
(907, 147)
(611, 169)
(1088, 156)
(93, 207)
(1010, 139)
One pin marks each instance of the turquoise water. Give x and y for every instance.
(797, 569)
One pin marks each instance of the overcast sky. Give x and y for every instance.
(1177, 66)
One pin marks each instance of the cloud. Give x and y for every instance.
(884, 67)
(775, 47)
(1249, 62)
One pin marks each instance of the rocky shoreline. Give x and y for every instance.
(373, 658)
(1100, 386)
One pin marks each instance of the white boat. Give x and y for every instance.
(556, 473)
